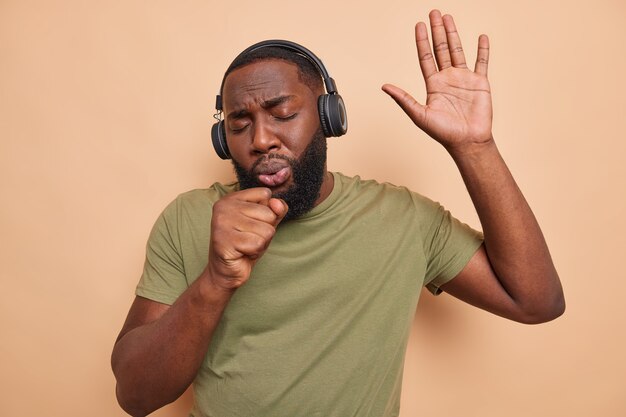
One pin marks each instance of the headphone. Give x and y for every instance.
(330, 106)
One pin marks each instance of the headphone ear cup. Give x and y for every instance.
(218, 137)
(333, 116)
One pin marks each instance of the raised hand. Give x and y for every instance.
(458, 108)
(242, 228)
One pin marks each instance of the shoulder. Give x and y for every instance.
(201, 197)
(383, 193)
(194, 205)
(189, 213)
(213, 193)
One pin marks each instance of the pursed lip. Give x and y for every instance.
(273, 173)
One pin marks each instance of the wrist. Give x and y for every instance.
(223, 277)
(214, 289)
(472, 150)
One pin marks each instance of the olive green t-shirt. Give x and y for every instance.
(321, 326)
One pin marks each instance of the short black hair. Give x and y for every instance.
(308, 72)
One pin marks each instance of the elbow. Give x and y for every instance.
(128, 405)
(137, 392)
(126, 400)
(546, 312)
(140, 397)
(131, 400)
(131, 405)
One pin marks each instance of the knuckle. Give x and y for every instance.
(441, 47)
(221, 205)
(426, 57)
(257, 242)
(218, 217)
(268, 233)
(410, 101)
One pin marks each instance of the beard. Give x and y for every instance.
(307, 174)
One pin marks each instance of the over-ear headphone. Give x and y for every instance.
(330, 106)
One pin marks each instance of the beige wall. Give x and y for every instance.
(105, 109)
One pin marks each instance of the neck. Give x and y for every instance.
(327, 187)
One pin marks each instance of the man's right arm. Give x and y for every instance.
(160, 348)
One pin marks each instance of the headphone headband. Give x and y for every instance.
(329, 83)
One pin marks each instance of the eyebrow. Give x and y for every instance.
(266, 104)
(276, 101)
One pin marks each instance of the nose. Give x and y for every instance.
(265, 139)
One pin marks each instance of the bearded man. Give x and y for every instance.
(291, 292)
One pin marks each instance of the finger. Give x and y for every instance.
(411, 107)
(254, 243)
(280, 208)
(247, 224)
(440, 40)
(482, 57)
(240, 235)
(454, 43)
(424, 53)
(257, 211)
(251, 204)
(260, 195)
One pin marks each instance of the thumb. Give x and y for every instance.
(279, 207)
(413, 109)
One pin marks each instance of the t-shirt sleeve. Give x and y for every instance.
(163, 279)
(449, 246)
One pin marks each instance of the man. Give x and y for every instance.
(332, 265)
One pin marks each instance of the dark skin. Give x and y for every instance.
(512, 275)
(269, 110)
(160, 348)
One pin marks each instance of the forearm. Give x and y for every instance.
(156, 362)
(514, 243)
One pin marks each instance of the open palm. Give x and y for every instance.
(458, 107)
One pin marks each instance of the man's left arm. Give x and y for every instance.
(512, 274)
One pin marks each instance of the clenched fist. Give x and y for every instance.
(242, 228)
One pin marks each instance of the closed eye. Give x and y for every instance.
(236, 130)
(286, 118)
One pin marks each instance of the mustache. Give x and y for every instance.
(269, 157)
